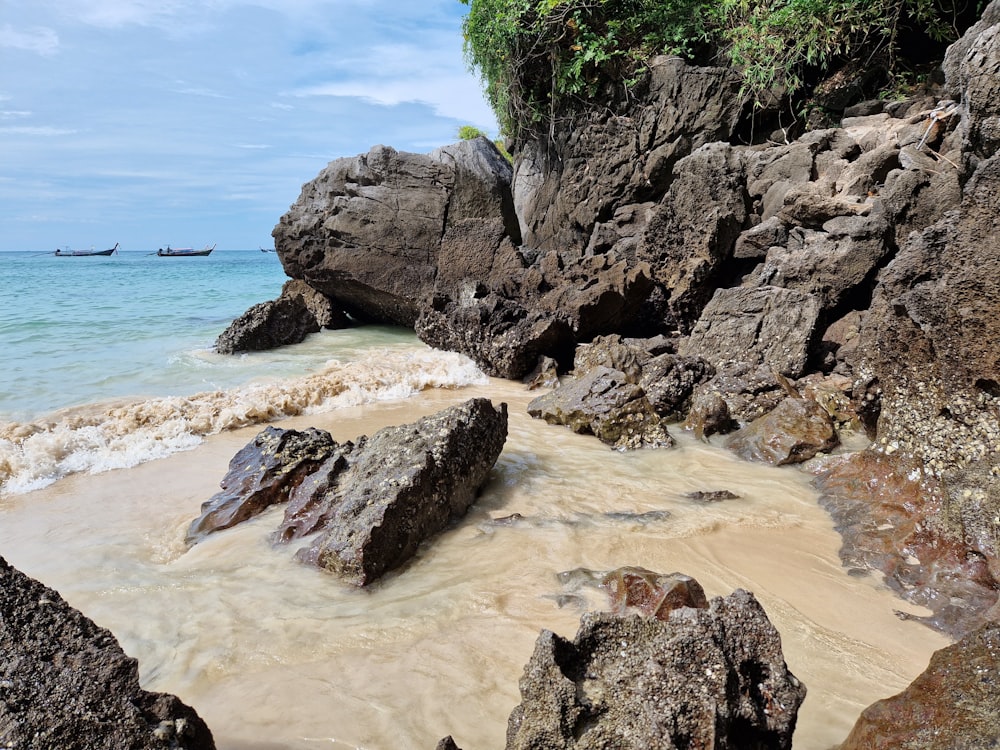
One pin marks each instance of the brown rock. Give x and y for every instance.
(795, 431)
(651, 594)
(264, 472)
(954, 703)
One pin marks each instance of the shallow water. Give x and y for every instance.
(273, 654)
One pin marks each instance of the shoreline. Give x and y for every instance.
(455, 627)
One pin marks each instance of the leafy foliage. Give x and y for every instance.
(535, 56)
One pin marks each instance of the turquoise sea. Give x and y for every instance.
(109, 361)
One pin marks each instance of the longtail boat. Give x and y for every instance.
(67, 253)
(183, 252)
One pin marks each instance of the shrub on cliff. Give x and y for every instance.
(536, 56)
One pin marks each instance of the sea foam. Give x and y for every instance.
(122, 434)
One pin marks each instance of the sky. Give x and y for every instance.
(192, 123)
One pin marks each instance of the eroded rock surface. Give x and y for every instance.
(710, 677)
(954, 703)
(66, 683)
(297, 312)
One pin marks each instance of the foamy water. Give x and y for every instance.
(115, 435)
(274, 654)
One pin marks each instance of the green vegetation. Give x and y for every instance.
(536, 56)
(470, 133)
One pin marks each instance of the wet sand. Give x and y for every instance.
(273, 654)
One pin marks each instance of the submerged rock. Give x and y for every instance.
(885, 509)
(66, 683)
(707, 678)
(652, 594)
(954, 703)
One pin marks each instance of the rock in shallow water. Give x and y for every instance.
(706, 678)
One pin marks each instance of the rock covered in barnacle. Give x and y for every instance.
(795, 431)
(66, 683)
(713, 677)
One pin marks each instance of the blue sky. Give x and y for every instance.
(155, 122)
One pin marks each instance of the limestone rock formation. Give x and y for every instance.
(66, 683)
(710, 677)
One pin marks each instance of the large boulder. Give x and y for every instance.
(709, 677)
(367, 505)
(954, 703)
(66, 683)
(366, 232)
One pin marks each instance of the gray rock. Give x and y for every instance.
(765, 325)
(603, 402)
(395, 489)
(297, 312)
(707, 678)
(66, 683)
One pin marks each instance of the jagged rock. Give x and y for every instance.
(755, 242)
(711, 496)
(709, 414)
(890, 515)
(264, 472)
(66, 683)
(650, 594)
(604, 402)
(929, 341)
(669, 382)
(545, 374)
(504, 337)
(563, 186)
(764, 325)
(821, 264)
(298, 311)
(954, 703)
(707, 678)
(795, 431)
(693, 230)
(396, 488)
(972, 69)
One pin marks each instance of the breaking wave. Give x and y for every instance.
(122, 434)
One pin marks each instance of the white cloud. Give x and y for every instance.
(41, 130)
(41, 41)
(13, 114)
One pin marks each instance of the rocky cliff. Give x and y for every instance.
(854, 266)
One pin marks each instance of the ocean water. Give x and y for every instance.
(117, 421)
(109, 361)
